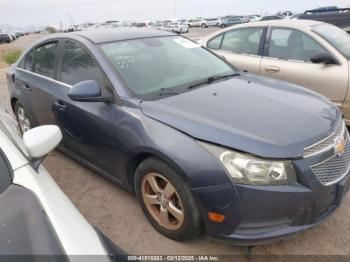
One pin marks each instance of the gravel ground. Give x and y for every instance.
(117, 214)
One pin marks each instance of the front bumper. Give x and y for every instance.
(256, 215)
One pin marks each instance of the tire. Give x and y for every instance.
(19, 112)
(203, 25)
(222, 26)
(183, 229)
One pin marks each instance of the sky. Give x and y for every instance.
(43, 12)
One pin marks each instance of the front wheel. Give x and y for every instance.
(166, 200)
(203, 25)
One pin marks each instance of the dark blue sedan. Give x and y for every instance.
(204, 147)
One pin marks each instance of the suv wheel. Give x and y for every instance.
(23, 118)
(166, 200)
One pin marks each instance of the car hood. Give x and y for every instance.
(257, 115)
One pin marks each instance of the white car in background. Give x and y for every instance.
(179, 27)
(36, 217)
(206, 22)
(254, 18)
(194, 22)
(164, 27)
(86, 26)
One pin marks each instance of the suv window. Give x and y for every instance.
(78, 65)
(44, 59)
(292, 44)
(243, 40)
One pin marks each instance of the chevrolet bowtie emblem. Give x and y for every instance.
(340, 147)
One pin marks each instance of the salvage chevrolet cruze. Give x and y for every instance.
(203, 146)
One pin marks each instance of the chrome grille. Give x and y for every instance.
(326, 143)
(333, 169)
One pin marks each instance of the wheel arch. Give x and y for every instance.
(142, 154)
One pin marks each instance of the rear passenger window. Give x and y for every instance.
(44, 60)
(243, 40)
(78, 65)
(215, 43)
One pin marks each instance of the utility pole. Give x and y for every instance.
(175, 7)
(71, 19)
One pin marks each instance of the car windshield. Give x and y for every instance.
(335, 36)
(150, 66)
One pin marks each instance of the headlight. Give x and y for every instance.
(247, 169)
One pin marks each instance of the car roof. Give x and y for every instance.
(105, 35)
(297, 23)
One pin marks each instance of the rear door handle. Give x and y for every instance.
(60, 105)
(271, 69)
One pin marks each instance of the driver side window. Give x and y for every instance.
(78, 65)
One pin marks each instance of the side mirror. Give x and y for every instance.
(87, 91)
(324, 58)
(39, 141)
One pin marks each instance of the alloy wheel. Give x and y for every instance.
(23, 120)
(162, 201)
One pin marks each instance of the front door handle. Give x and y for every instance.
(271, 69)
(60, 105)
(27, 87)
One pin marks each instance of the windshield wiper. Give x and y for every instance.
(167, 91)
(211, 79)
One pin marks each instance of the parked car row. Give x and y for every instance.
(195, 139)
(177, 26)
(334, 15)
(9, 37)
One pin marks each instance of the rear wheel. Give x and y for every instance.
(23, 118)
(166, 200)
(203, 25)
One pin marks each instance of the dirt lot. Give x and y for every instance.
(118, 215)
